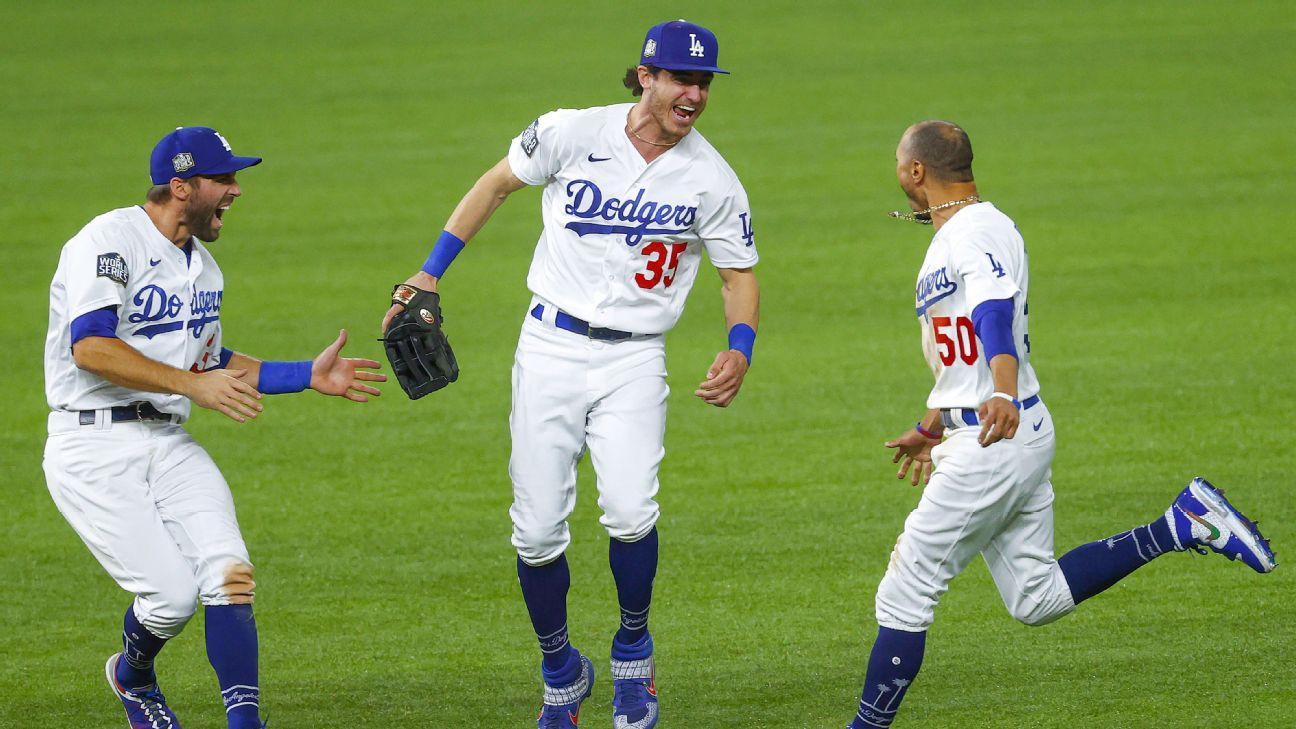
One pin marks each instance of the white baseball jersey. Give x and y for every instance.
(623, 238)
(977, 256)
(167, 309)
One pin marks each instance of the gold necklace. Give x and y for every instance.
(645, 141)
(918, 217)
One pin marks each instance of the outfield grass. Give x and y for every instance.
(1143, 148)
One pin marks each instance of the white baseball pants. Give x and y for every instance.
(154, 510)
(995, 501)
(570, 394)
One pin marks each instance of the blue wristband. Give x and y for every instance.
(742, 338)
(278, 378)
(443, 253)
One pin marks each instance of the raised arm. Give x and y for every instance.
(472, 212)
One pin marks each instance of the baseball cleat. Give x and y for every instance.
(144, 709)
(1201, 517)
(561, 708)
(634, 694)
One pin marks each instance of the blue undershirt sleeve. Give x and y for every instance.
(97, 323)
(992, 321)
(226, 355)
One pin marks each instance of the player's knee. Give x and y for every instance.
(631, 519)
(538, 545)
(239, 588)
(165, 613)
(1038, 614)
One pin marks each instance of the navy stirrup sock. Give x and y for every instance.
(897, 655)
(232, 651)
(139, 648)
(544, 589)
(1091, 568)
(634, 567)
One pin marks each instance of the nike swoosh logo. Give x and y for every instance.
(154, 261)
(1037, 425)
(592, 158)
(1214, 531)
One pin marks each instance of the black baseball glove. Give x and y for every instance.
(417, 348)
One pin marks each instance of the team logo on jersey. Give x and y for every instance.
(933, 287)
(112, 266)
(159, 310)
(650, 48)
(183, 162)
(586, 201)
(748, 234)
(695, 46)
(530, 138)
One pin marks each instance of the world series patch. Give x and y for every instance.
(112, 266)
(530, 138)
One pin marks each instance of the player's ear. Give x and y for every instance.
(646, 75)
(180, 188)
(917, 172)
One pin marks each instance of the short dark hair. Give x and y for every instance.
(159, 194)
(944, 148)
(631, 80)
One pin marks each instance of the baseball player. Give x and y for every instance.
(633, 195)
(984, 448)
(135, 337)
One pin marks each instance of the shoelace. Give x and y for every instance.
(629, 693)
(152, 703)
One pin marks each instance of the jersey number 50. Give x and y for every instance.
(962, 345)
(662, 262)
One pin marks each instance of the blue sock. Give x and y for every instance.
(634, 565)
(139, 648)
(1091, 568)
(232, 651)
(544, 589)
(897, 655)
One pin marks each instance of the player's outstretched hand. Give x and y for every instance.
(999, 419)
(913, 453)
(723, 378)
(419, 280)
(224, 392)
(332, 374)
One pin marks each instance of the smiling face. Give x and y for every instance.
(674, 99)
(209, 198)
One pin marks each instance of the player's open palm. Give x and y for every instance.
(913, 453)
(224, 392)
(333, 374)
(724, 378)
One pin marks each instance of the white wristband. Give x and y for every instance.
(1009, 398)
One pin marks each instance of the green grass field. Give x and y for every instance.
(1145, 150)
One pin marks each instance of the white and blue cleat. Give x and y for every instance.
(562, 704)
(634, 694)
(1201, 517)
(144, 709)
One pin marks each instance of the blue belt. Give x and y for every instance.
(961, 417)
(563, 320)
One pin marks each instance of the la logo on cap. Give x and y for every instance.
(182, 162)
(695, 46)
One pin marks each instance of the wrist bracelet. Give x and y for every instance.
(926, 433)
(743, 338)
(278, 378)
(443, 253)
(1005, 396)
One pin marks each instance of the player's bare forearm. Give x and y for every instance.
(482, 200)
(999, 417)
(251, 367)
(742, 306)
(741, 294)
(122, 364)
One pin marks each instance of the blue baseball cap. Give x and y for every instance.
(679, 45)
(190, 151)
